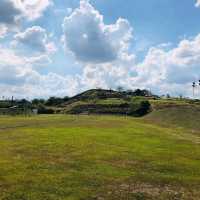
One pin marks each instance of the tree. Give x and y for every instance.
(139, 92)
(139, 106)
(37, 102)
(120, 89)
(129, 92)
(66, 98)
(54, 101)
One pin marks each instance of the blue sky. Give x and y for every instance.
(59, 48)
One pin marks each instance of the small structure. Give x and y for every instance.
(35, 111)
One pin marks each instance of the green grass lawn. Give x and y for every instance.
(62, 157)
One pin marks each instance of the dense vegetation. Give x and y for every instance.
(96, 101)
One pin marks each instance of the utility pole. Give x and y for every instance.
(12, 101)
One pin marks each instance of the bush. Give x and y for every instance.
(5, 104)
(139, 107)
(43, 110)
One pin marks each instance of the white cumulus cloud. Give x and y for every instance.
(90, 40)
(32, 9)
(171, 70)
(13, 11)
(162, 71)
(19, 78)
(36, 39)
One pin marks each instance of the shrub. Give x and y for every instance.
(139, 107)
(43, 110)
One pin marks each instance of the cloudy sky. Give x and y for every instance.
(60, 48)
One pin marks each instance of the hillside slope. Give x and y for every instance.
(99, 101)
(94, 94)
(185, 116)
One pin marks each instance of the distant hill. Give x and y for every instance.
(133, 103)
(107, 94)
(99, 101)
(94, 101)
(162, 111)
(95, 94)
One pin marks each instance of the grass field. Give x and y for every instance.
(63, 157)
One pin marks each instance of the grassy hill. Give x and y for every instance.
(95, 94)
(181, 112)
(99, 101)
(176, 114)
(61, 157)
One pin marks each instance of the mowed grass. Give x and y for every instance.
(63, 157)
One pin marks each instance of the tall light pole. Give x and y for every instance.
(193, 86)
(199, 88)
